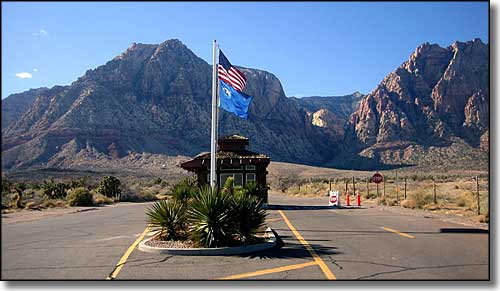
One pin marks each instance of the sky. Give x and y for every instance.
(315, 49)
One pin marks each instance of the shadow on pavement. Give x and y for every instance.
(309, 207)
(463, 230)
(291, 250)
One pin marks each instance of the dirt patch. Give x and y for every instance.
(157, 242)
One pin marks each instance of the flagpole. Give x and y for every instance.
(213, 133)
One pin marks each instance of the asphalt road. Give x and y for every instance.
(342, 244)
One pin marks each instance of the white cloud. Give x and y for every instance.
(42, 32)
(24, 75)
(35, 70)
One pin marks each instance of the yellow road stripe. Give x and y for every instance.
(329, 275)
(125, 256)
(269, 271)
(398, 232)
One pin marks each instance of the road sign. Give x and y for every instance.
(377, 178)
(334, 198)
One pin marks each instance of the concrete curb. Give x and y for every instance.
(225, 251)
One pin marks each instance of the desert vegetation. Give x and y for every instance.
(455, 194)
(203, 217)
(78, 191)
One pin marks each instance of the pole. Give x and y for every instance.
(384, 187)
(405, 188)
(435, 198)
(213, 132)
(330, 182)
(353, 186)
(478, 197)
(397, 187)
(346, 185)
(377, 190)
(367, 189)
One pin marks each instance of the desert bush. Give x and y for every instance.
(80, 197)
(49, 203)
(466, 199)
(169, 217)
(6, 186)
(19, 188)
(54, 190)
(109, 186)
(211, 224)
(422, 199)
(183, 191)
(248, 215)
(100, 199)
(82, 182)
(409, 203)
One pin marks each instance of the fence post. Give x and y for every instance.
(330, 182)
(367, 189)
(434, 183)
(353, 186)
(478, 197)
(405, 188)
(397, 187)
(346, 185)
(384, 187)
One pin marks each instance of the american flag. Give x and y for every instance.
(230, 74)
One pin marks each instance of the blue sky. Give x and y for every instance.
(313, 48)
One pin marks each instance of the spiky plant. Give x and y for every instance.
(183, 191)
(169, 217)
(252, 189)
(211, 224)
(248, 214)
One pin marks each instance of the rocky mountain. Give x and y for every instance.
(153, 99)
(14, 106)
(439, 97)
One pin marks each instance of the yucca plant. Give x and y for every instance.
(183, 190)
(248, 214)
(252, 189)
(211, 224)
(169, 217)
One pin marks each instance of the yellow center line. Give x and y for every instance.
(329, 275)
(269, 271)
(125, 256)
(398, 232)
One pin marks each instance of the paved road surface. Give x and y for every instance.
(349, 244)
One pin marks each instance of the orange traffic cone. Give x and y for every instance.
(358, 198)
(348, 200)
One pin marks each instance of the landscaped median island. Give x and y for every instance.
(202, 221)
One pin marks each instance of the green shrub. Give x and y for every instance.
(80, 197)
(183, 191)
(248, 215)
(110, 187)
(54, 190)
(211, 224)
(6, 186)
(82, 182)
(252, 189)
(19, 188)
(169, 217)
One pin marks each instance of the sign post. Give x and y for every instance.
(377, 178)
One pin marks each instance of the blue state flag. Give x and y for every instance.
(231, 83)
(234, 101)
